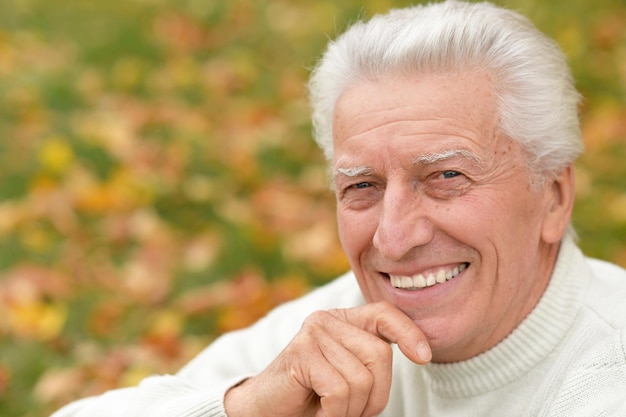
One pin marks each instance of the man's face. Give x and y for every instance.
(435, 210)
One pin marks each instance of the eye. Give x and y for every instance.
(450, 174)
(360, 195)
(447, 184)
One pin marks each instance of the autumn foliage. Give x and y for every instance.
(159, 184)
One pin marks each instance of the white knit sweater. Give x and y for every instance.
(567, 359)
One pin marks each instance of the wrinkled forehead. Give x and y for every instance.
(460, 99)
(436, 117)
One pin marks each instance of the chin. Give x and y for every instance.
(448, 344)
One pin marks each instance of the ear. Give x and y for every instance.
(560, 193)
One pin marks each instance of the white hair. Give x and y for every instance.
(536, 98)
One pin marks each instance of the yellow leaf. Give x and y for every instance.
(134, 376)
(617, 208)
(167, 323)
(35, 238)
(37, 320)
(56, 155)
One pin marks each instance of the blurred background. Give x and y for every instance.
(159, 184)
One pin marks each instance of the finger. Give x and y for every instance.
(362, 358)
(386, 321)
(352, 398)
(305, 365)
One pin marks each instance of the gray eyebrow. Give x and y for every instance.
(432, 158)
(353, 171)
(426, 159)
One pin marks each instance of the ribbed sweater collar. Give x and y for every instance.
(530, 343)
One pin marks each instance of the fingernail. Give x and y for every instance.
(423, 352)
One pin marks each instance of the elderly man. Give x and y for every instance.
(451, 130)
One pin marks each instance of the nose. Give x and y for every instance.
(403, 224)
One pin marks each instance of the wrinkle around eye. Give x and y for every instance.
(447, 184)
(360, 195)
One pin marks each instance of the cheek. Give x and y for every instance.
(502, 222)
(356, 232)
(477, 221)
(468, 217)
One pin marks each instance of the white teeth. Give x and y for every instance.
(407, 282)
(420, 281)
(395, 281)
(431, 280)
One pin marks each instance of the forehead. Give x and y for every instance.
(427, 113)
(454, 92)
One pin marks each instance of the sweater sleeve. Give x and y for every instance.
(198, 389)
(157, 396)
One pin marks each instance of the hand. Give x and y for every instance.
(338, 365)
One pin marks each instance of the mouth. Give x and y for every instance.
(421, 281)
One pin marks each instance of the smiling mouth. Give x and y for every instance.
(419, 281)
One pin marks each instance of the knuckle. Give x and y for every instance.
(302, 338)
(362, 379)
(339, 390)
(306, 337)
(381, 350)
(382, 311)
(378, 408)
(316, 318)
(383, 305)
